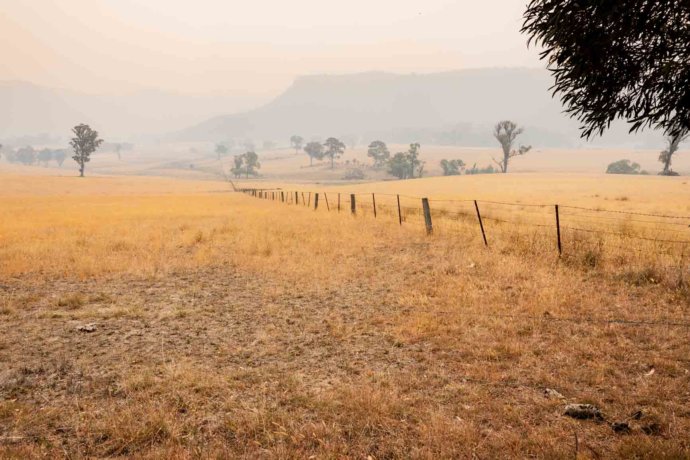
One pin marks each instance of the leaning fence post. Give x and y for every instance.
(325, 197)
(399, 213)
(427, 216)
(481, 224)
(303, 200)
(558, 231)
(353, 205)
(316, 201)
(373, 200)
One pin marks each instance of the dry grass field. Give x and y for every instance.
(161, 318)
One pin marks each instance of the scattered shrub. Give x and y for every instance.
(623, 167)
(354, 174)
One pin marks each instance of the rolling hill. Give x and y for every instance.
(456, 107)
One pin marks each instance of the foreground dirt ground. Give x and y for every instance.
(260, 330)
(216, 363)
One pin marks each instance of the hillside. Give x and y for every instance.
(454, 108)
(31, 110)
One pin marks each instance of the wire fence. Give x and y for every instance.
(567, 229)
(571, 228)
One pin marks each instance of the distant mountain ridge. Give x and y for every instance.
(30, 109)
(449, 107)
(382, 103)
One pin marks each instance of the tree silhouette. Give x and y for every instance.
(505, 133)
(314, 150)
(84, 143)
(379, 152)
(251, 163)
(297, 142)
(617, 59)
(666, 156)
(403, 165)
(334, 149)
(452, 167)
(221, 150)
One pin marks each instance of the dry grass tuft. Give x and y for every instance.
(225, 326)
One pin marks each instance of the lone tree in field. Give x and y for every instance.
(238, 168)
(221, 150)
(667, 155)
(84, 143)
(627, 59)
(297, 142)
(505, 133)
(380, 153)
(334, 149)
(452, 167)
(314, 150)
(251, 163)
(247, 163)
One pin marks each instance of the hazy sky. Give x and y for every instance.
(253, 47)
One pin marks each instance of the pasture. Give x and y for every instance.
(160, 317)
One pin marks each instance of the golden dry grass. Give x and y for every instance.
(227, 326)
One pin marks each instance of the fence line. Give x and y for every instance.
(564, 220)
(479, 216)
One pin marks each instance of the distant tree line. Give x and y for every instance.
(29, 156)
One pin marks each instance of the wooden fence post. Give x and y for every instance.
(316, 201)
(282, 197)
(325, 197)
(296, 197)
(481, 224)
(303, 200)
(338, 201)
(558, 232)
(373, 200)
(309, 199)
(427, 216)
(399, 213)
(353, 205)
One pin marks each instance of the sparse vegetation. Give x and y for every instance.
(616, 61)
(404, 165)
(378, 151)
(623, 167)
(314, 150)
(297, 142)
(84, 143)
(354, 174)
(452, 167)
(333, 149)
(211, 309)
(246, 164)
(221, 150)
(666, 156)
(506, 132)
